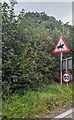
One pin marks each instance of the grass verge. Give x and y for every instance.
(36, 103)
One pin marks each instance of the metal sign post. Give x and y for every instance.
(67, 64)
(61, 69)
(66, 71)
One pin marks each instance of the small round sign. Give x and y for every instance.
(66, 77)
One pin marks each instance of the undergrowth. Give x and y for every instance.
(34, 103)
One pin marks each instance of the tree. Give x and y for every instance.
(28, 42)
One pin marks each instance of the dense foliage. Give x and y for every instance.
(28, 40)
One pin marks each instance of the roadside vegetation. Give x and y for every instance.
(39, 103)
(30, 72)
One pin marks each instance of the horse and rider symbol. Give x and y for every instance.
(61, 46)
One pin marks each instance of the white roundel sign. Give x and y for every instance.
(66, 77)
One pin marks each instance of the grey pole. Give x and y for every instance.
(67, 69)
(61, 69)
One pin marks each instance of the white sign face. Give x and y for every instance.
(61, 46)
(66, 77)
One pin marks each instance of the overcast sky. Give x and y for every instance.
(61, 10)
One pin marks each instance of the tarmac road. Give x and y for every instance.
(70, 116)
(67, 114)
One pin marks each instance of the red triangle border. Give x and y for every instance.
(61, 51)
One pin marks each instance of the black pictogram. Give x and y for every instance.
(60, 46)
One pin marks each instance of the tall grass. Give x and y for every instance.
(35, 103)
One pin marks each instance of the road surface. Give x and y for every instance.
(67, 114)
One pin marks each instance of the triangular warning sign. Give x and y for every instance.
(61, 46)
